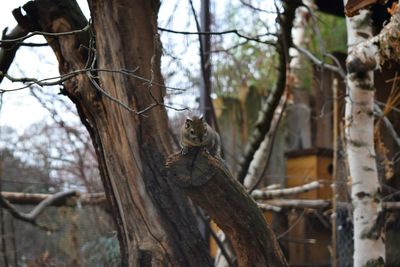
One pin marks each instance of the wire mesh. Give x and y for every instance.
(344, 237)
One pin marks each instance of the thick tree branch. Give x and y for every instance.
(31, 217)
(266, 113)
(19, 198)
(8, 50)
(208, 182)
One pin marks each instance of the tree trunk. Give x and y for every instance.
(299, 112)
(369, 248)
(154, 222)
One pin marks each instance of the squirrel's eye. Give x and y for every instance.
(191, 131)
(187, 125)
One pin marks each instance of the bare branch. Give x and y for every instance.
(19, 198)
(265, 194)
(34, 44)
(388, 124)
(236, 32)
(391, 205)
(295, 203)
(62, 78)
(31, 217)
(321, 63)
(315, 204)
(268, 207)
(50, 34)
(214, 235)
(256, 8)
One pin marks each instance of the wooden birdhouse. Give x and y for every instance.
(308, 165)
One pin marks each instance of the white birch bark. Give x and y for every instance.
(371, 54)
(271, 193)
(258, 164)
(299, 125)
(369, 248)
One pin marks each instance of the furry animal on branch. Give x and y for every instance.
(195, 132)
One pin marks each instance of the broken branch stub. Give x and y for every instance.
(210, 185)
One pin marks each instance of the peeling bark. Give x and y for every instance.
(372, 53)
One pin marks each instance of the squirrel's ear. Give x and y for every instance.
(201, 117)
(188, 119)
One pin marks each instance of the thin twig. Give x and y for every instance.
(236, 32)
(319, 62)
(64, 77)
(388, 124)
(256, 8)
(215, 237)
(298, 220)
(51, 34)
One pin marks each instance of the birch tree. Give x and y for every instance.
(299, 124)
(369, 248)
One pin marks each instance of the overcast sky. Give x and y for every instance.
(20, 109)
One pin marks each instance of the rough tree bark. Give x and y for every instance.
(210, 185)
(369, 247)
(154, 222)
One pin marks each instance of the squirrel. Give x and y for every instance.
(197, 133)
